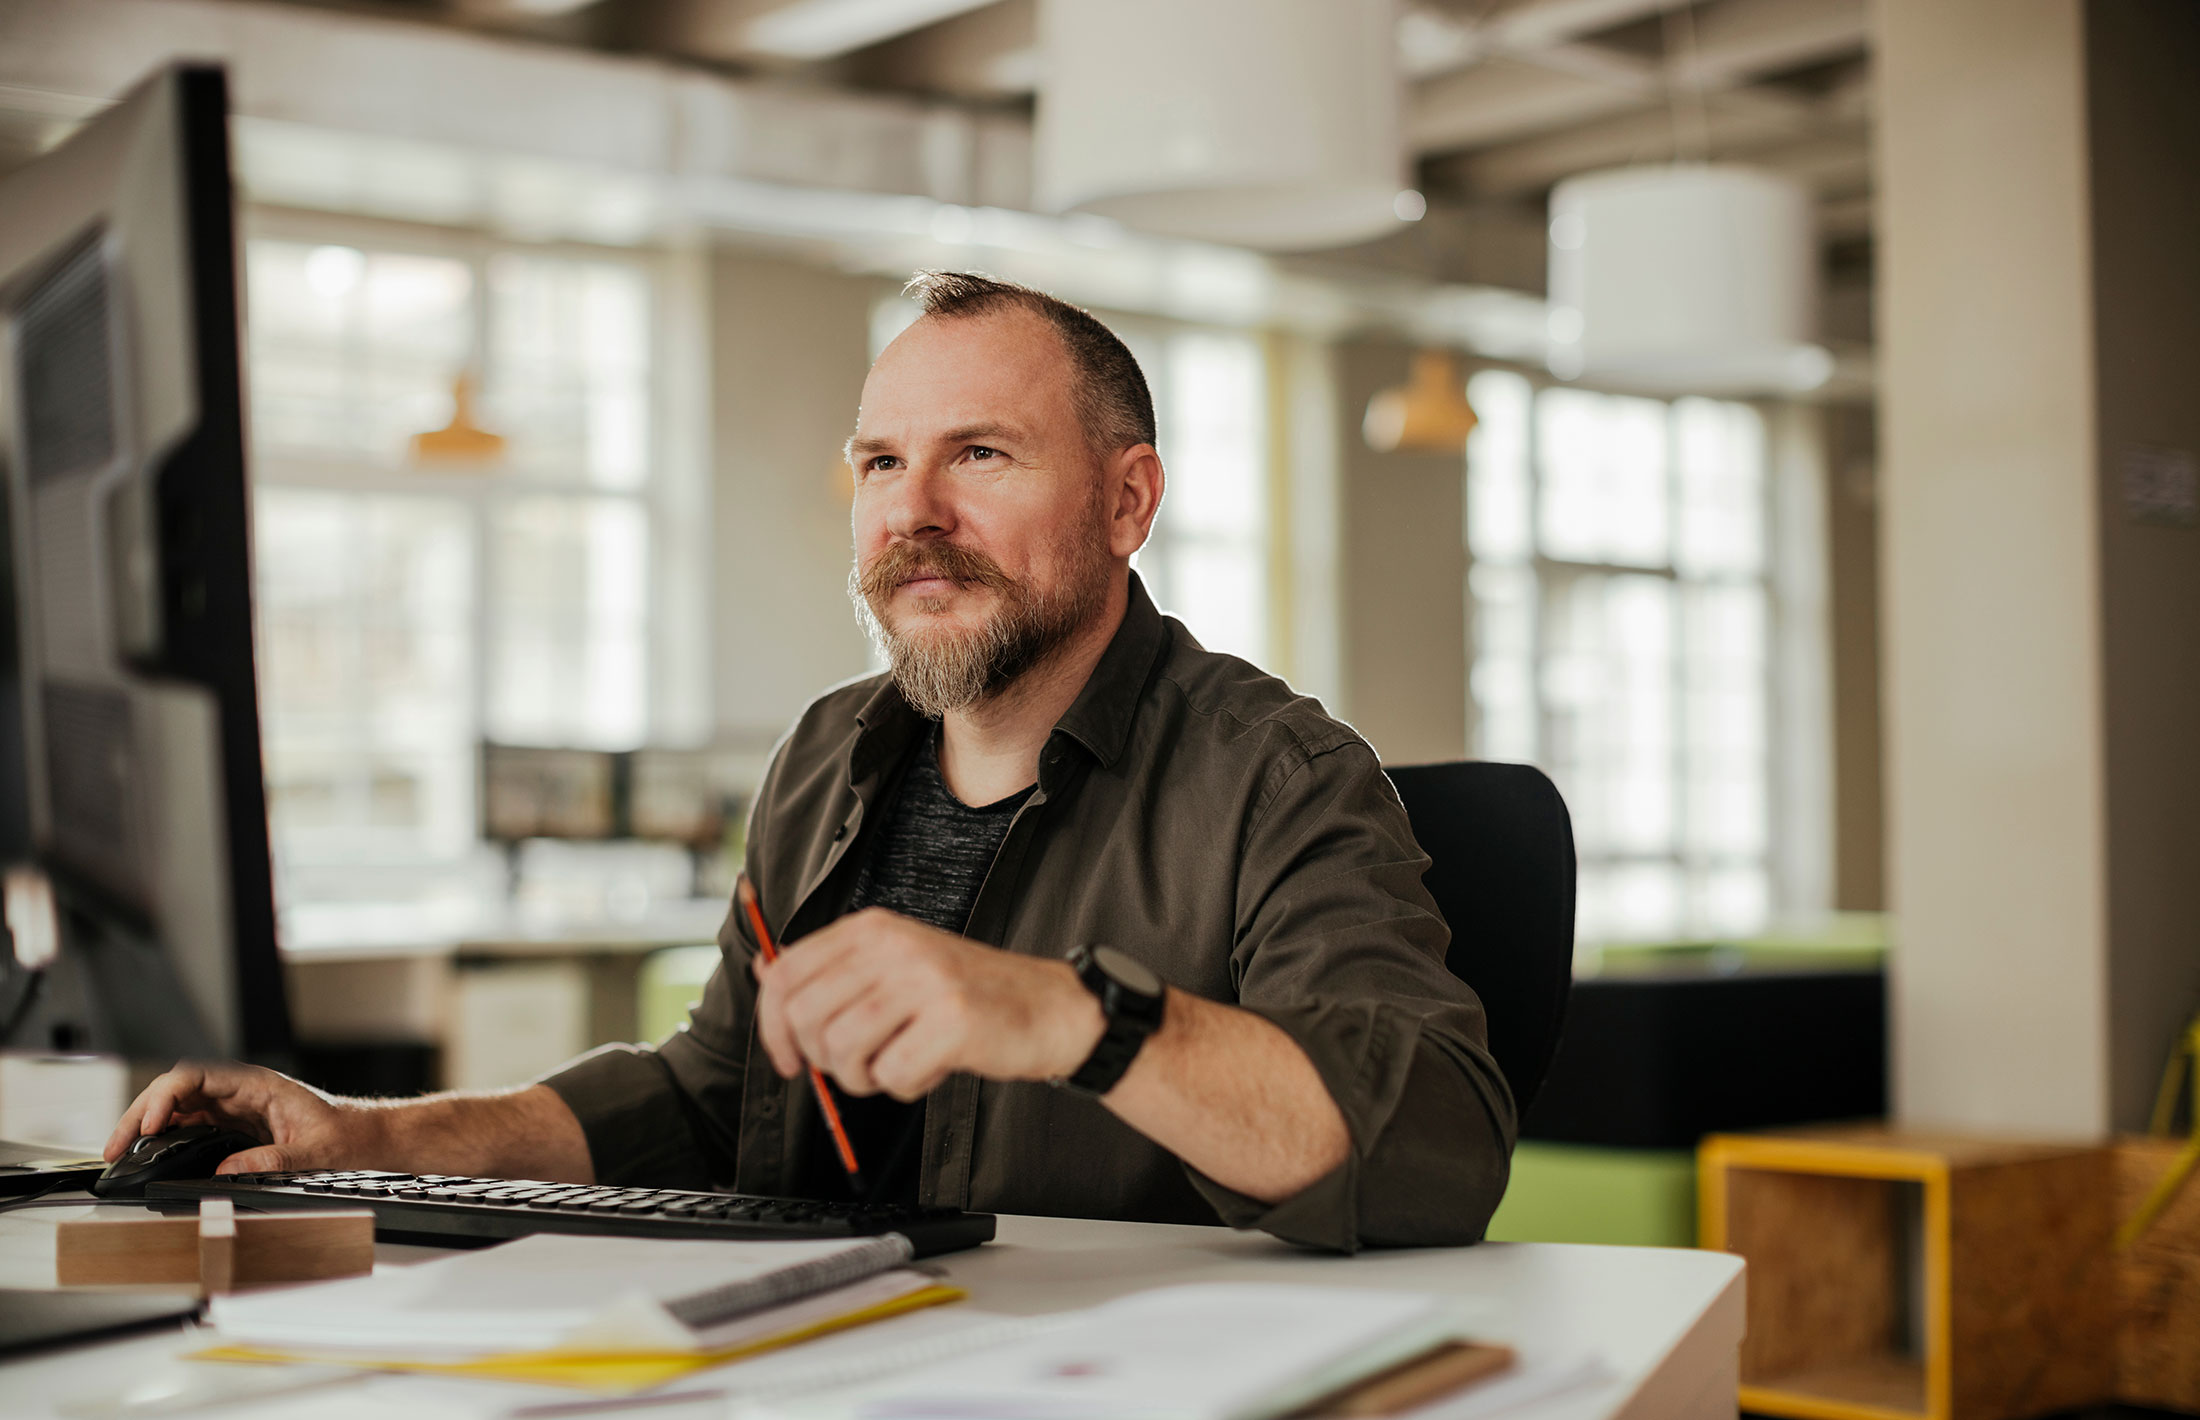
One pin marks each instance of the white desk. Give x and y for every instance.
(1667, 1323)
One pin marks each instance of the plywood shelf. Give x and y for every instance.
(1899, 1276)
(1888, 1385)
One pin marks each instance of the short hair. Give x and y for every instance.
(1112, 400)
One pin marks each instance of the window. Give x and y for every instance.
(408, 611)
(1621, 640)
(1207, 561)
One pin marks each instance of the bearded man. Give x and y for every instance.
(1082, 919)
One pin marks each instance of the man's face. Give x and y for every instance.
(982, 530)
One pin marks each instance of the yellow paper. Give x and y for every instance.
(613, 1374)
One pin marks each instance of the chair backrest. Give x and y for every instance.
(1501, 850)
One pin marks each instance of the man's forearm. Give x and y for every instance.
(522, 1133)
(1234, 1097)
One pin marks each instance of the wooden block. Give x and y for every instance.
(257, 1250)
(99, 1252)
(2015, 1294)
(1412, 1384)
(2158, 1285)
(303, 1247)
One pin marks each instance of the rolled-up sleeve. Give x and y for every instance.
(668, 1115)
(1341, 947)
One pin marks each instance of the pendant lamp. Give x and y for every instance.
(1690, 278)
(1259, 123)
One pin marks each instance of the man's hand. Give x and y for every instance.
(884, 1003)
(525, 1132)
(304, 1128)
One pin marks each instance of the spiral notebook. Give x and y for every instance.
(558, 1293)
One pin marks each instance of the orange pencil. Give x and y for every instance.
(825, 1103)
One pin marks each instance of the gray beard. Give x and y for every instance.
(937, 675)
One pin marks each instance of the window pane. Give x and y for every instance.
(1604, 494)
(365, 622)
(1218, 593)
(1721, 456)
(1608, 692)
(353, 352)
(1499, 516)
(1736, 901)
(1504, 661)
(1207, 560)
(570, 588)
(1215, 448)
(1727, 718)
(568, 379)
(1629, 902)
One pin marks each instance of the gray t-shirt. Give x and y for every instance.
(927, 860)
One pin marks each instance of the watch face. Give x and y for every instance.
(1127, 972)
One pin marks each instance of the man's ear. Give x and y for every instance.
(1134, 481)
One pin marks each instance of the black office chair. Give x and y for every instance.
(1501, 850)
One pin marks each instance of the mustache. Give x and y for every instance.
(909, 561)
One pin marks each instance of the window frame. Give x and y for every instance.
(1788, 891)
(665, 496)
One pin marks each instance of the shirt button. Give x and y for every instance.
(767, 1106)
(840, 833)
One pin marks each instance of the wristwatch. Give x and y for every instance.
(1131, 997)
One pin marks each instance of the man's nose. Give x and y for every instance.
(920, 505)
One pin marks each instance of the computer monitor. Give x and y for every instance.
(133, 822)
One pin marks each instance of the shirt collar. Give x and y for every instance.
(1099, 718)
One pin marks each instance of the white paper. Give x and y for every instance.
(537, 1293)
(1203, 1352)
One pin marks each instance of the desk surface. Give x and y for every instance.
(354, 931)
(1667, 1323)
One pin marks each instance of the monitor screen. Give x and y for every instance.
(133, 822)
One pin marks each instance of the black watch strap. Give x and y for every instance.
(1132, 998)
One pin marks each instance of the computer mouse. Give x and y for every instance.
(189, 1151)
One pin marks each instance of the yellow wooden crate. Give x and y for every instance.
(1909, 1276)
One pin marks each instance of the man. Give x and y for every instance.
(980, 861)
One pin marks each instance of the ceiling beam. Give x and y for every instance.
(1737, 40)
(1734, 125)
(1547, 80)
(1503, 99)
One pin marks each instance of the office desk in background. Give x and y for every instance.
(1666, 1322)
(496, 993)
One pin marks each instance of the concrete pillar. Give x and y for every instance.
(2036, 219)
(1401, 577)
(790, 352)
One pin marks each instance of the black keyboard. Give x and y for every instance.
(468, 1212)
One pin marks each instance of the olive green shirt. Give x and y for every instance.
(1190, 811)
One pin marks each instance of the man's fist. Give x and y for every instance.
(884, 1003)
(304, 1128)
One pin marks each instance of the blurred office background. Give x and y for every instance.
(1880, 599)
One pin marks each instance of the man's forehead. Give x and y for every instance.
(941, 374)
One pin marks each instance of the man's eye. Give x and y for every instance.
(883, 463)
(980, 451)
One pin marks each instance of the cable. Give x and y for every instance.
(62, 1180)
